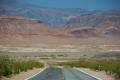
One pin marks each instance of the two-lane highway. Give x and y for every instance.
(62, 74)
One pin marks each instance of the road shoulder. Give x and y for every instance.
(23, 75)
(99, 74)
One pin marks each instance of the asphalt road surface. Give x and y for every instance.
(62, 74)
(73, 74)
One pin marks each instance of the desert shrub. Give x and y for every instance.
(110, 66)
(10, 66)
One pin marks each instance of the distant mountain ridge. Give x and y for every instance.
(51, 16)
(78, 22)
(59, 17)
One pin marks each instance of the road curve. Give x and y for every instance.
(53, 73)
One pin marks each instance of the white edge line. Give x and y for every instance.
(35, 74)
(88, 74)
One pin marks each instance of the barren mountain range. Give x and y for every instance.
(57, 28)
(77, 22)
(14, 26)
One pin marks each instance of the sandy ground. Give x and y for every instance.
(23, 75)
(100, 74)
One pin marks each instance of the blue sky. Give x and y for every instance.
(84, 4)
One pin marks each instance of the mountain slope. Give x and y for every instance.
(96, 19)
(13, 25)
(77, 22)
(60, 17)
(52, 16)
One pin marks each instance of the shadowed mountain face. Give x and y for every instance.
(52, 16)
(96, 19)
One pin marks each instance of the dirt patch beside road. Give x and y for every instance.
(100, 74)
(23, 75)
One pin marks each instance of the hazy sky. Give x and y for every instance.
(85, 4)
